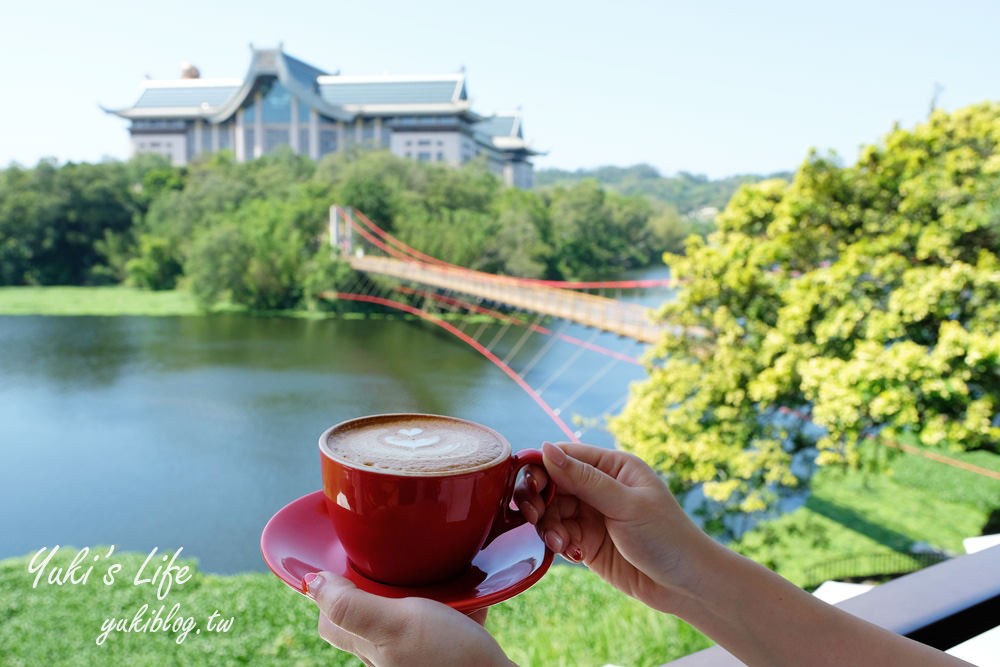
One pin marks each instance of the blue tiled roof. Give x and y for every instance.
(498, 126)
(388, 92)
(185, 96)
(301, 71)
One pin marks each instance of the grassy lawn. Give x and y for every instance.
(94, 301)
(849, 513)
(116, 300)
(569, 618)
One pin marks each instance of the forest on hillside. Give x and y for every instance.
(254, 233)
(687, 193)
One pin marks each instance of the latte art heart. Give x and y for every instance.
(410, 440)
(417, 444)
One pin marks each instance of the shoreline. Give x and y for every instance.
(109, 300)
(118, 301)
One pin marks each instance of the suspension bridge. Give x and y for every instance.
(397, 276)
(432, 289)
(552, 298)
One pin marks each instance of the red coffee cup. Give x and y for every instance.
(403, 522)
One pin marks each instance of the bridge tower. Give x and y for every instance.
(342, 229)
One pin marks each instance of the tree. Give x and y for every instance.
(52, 216)
(373, 183)
(582, 236)
(155, 267)
(516, 243)
(846, 307)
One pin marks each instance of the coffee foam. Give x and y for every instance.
(416, 445)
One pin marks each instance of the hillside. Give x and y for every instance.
(687, 193)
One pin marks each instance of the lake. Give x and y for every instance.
(192, 431)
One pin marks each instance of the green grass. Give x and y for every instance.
(853, 513)
(94, 301)
(117, 300)
(569, 618)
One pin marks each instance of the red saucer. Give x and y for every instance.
(299, 539)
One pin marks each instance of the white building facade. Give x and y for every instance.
(283, 101)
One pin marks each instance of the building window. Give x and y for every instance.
(368, 134)
(275, 138)
(424, 142)
(277, 104)
(327, 141)
(424, 156)
(440, 156)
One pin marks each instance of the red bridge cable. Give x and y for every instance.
(563, 284)
(381, 246)
(503, 317)
(939, 458)
(474, 344)
(392, 240)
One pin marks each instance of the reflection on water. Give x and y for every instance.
(170, 432)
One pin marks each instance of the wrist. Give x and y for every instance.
(693, 579)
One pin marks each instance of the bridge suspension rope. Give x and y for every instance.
(475, 344)
(401, 250)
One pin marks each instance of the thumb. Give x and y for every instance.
(584, 478)
(353, 610)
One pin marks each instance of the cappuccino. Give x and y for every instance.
(416, 445)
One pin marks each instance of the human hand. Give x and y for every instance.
(411, 632)
(613, 513)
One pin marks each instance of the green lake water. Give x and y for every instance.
(191, 432)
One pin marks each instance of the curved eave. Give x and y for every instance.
(526, 151)
(461, 108)
(510, 143)
(280, 71)
(506, 144)
(133, 113)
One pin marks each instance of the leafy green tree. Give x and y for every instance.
(669, 229)
(156, 265)
(214, 187)
(516, 244)
(850, 305)
(597, 234)
(580, 227)
(52, 216)
(374, 183)
(259, 254)
(217, 265)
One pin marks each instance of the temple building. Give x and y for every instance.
(283, 101)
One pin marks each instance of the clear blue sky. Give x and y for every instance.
(707, 86)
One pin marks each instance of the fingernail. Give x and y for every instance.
(554, 454)
(554, 542)
(314, 582)
(529, 512)
(531, 482)
(574, 553)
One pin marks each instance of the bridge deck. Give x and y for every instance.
(624, 319)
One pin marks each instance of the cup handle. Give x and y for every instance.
(508, 518)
